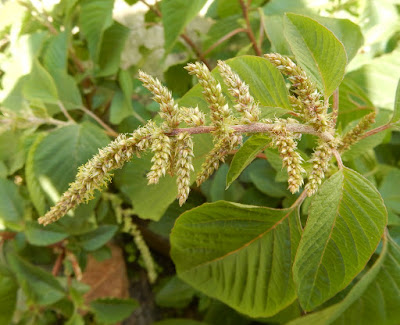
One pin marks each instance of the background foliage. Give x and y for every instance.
(68, 86)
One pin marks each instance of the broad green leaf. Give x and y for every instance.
(374, 299)
(55, 55)
(273, 25)
(11, 150)
(176, 15)
(120, 108)
(11, 205)
(40, 85)
(245, 155)
(113, 43)
(317, 51)
(8, 297)
(216, 190)
(378, 79)
(389, 190)
(39, 286)
(265, 82)
(396, 110)
(44, 236)
(345, 223)
(68, 91)
(94, 19)
(97, 238)
(112, 310)
(175, 294)
(226, 8)
(241, 255)
(76, 319)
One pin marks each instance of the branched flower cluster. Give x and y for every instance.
(172, 146)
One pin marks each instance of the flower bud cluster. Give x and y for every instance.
(355, 134)
(309, 102)
(183, 165)
(192, 116)
(168, 108)
(95, 174)
(240, 91)
(286, 143)
(221, 115)
(223, 146)
(320, 163)
(161, 147)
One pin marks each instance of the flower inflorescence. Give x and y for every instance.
(172, 146)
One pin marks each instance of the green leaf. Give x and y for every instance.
(55, 55)
(120, 108)
(68, 91)
(95, 18)
(39, 286)
(113, 310)
(113, 43)
(245, 155)
(374, 299)
(11, 205)
(179, 321)
(396, 110)
(43, 236)
(175, 294)
(317, 51)
(40, 85)
(389, 190)
(241, 255)
(345, 223)
(76, 319)
(265, 82)
(176, 15)
(8, 297)
(97, 238)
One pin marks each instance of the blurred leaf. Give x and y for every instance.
(8, 297)
(241, 255)
(113, 43)
(245, 155)
(176, 15)
(112, 310)
(44, 236)
(396, 110)
(68, 90)
(345, 223)
(317, 51)
(76, 319)
(11, 205)
(97, 238)
(55, 55)
(390, 192)
(175, 294)
(179, 321)
(120, 108)
(94, 19)
(39, 286)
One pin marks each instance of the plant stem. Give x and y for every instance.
(65, 112)
(335, 107)
(223, 39)
(262, 28)
(376, 130)
(108, 129)
(338, 158)
(250, 34)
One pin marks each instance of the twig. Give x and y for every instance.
(245, 10)
(259, 155)
(58, 263)
(187, 39)
(338, 158)
(223, 39)
(300, 199)
(335, 107)
(65, 112)
(262, 28)
(109, 130)
(376, 130)
(7, 235)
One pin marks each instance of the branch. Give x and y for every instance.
(108, 129)
(335, 107)
(223, 39)
(245, 10)
(376, 130)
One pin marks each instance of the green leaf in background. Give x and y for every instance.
(76, 319)
(113, 43)
(112, 310)
(68, 91)
(345, 224)
(120, 108)
(100, 236)
(241, 255)
(390, 192)
(55, 56)
(374, 299)
(43, 236)
(95, 18)
(179, 321)
(11, 205)
(175, 294)
(317, 51)
(396, 109)
(379, 78)
(39, 286)
(245, 155)
(40, 85)
(8, 297)
(176, 15)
